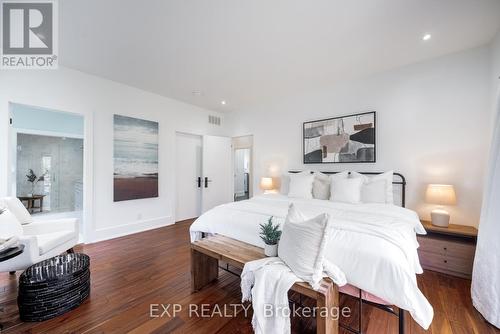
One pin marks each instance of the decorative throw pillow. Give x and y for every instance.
(377, 188)
(321, 186)
(374, 191)
(303, 243)
(301, 185)
(285, 181)
(346, 190)
(17, 208)
(9, 225)
(337, 176)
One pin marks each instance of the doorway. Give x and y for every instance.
(203, 174)
(241, 174)
(47, 162)
(242, 169)
(55, 164)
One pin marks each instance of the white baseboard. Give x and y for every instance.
(130, 228)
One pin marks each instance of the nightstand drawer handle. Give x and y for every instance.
(445, 248)
(445, 261)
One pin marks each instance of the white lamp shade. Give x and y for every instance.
(440, 194)
(266, 183)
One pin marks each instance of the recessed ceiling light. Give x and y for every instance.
(223, 102)
(427, 37)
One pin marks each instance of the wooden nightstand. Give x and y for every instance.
(448, 250)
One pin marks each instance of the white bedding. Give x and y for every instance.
(374, 244)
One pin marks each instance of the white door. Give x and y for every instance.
(188, 174)
(217, 172)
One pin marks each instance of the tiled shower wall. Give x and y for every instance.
(63, 187)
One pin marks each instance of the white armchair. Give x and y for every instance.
(42, 240)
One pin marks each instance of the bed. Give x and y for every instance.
(374, 244)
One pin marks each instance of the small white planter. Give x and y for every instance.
(271, 250)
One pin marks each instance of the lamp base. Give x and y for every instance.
(440, 218)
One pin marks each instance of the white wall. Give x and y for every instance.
(433, 121)
(98, 99)
(495, 73)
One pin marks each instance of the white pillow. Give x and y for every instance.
(377, 188)
(301, 185)
(346, 190)
(303, 243)
(337, 176)
(373, 191)
(9, 225)
(285, 181)
(321, 186)
(18, 209)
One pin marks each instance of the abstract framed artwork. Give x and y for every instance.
(135, 158)
(345, 139)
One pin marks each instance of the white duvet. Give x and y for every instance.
(374, 244)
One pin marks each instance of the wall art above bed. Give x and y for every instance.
(345, 139)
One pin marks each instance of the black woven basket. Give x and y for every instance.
(53, 287)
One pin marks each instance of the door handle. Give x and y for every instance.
(199, 181)
(206, 182)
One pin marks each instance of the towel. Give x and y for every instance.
(266, 282)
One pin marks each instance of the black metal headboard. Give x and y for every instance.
(399, 179)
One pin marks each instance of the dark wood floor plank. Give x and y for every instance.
(132, 272)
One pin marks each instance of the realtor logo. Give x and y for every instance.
(29, 34)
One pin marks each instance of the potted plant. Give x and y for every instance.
(270, 234)
(33, 179)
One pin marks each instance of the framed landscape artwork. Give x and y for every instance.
(345, 139)
(135, 158)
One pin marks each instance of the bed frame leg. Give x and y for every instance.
(401, 321)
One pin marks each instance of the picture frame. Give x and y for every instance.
(342, 139)
(135, 157)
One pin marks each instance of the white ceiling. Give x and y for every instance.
(249, 51)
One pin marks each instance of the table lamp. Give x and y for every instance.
(440, 194)
(266, 184)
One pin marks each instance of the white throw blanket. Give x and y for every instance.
(271, 279)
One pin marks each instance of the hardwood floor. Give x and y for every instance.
(133, 272)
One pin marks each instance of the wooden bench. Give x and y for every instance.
(206, 254)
